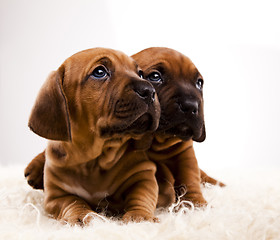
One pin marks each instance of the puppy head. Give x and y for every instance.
(179, 86)
(97, 91)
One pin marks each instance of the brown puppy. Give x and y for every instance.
(165, 149)
(89, 109)
(179, 86)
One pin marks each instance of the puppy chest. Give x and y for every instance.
(92, 194)
(92, 186)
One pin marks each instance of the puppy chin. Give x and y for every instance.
(132, 126)
(186, 132)
(181, 131)
(145, 123)
(201, 135)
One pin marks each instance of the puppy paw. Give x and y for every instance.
(34, 175)
(82, 219)
(221, 184)
(197, 199)
(35, 170)
(139, 216)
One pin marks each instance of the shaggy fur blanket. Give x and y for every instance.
(247, 208)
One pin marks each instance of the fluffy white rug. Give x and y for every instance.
(248, 208)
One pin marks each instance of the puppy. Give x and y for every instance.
(173, 139)
(90, 109)
(179, 86)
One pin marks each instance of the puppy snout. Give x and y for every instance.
(189, 107)
(145, 91)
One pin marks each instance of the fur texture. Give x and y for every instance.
(247, 208)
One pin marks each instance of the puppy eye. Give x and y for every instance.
(199, 83)
(99, 73)
(154, 77)
(140, 74)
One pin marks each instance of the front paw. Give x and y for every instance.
(196, 198)
(81, 219)
(34, 175)
(139, 216)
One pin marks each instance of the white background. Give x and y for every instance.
(235, 45)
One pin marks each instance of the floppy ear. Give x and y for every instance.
(50, 115)
(203, 135)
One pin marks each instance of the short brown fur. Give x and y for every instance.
(175, 158)
(172, 147)
(91, 166)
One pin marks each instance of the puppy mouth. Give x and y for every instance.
(181, 130)
(143, 124)
(184, 131)
(130, 117)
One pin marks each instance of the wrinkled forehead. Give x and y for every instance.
(165, 60)
(110, 58)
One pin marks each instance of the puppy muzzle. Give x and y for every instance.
(183, 118)
(136, 112)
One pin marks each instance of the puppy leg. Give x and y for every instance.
(207, 179)
(187, 177)
(141, 197)
(34, 172)
(165, 181)
(69, 209)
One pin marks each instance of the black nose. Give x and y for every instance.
(145, 91)
(189, 106)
